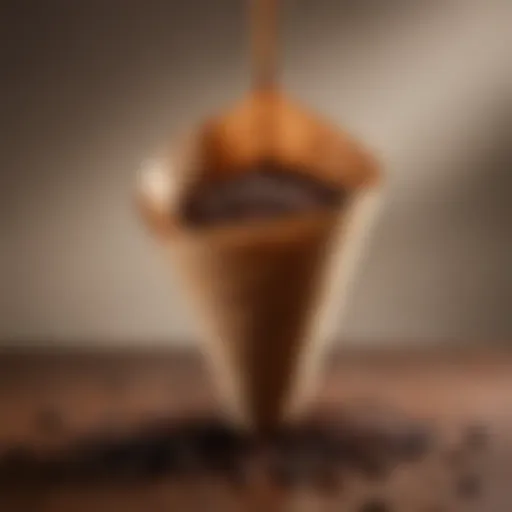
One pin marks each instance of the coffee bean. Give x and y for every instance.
(469, 486)
(375, 505)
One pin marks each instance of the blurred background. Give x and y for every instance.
(90, 89)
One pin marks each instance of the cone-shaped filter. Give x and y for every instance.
(263, 289)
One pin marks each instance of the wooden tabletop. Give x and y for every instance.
(49, 399)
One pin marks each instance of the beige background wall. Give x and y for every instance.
(90, 89)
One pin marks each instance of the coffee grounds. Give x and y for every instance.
(305, 454)
(266, 190)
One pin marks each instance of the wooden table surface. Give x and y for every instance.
(113, 391)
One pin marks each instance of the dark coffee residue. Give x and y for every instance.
(314, 454)
(264, 191)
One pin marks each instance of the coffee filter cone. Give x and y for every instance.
(263, 290)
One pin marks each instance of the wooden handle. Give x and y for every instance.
(264, 19)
